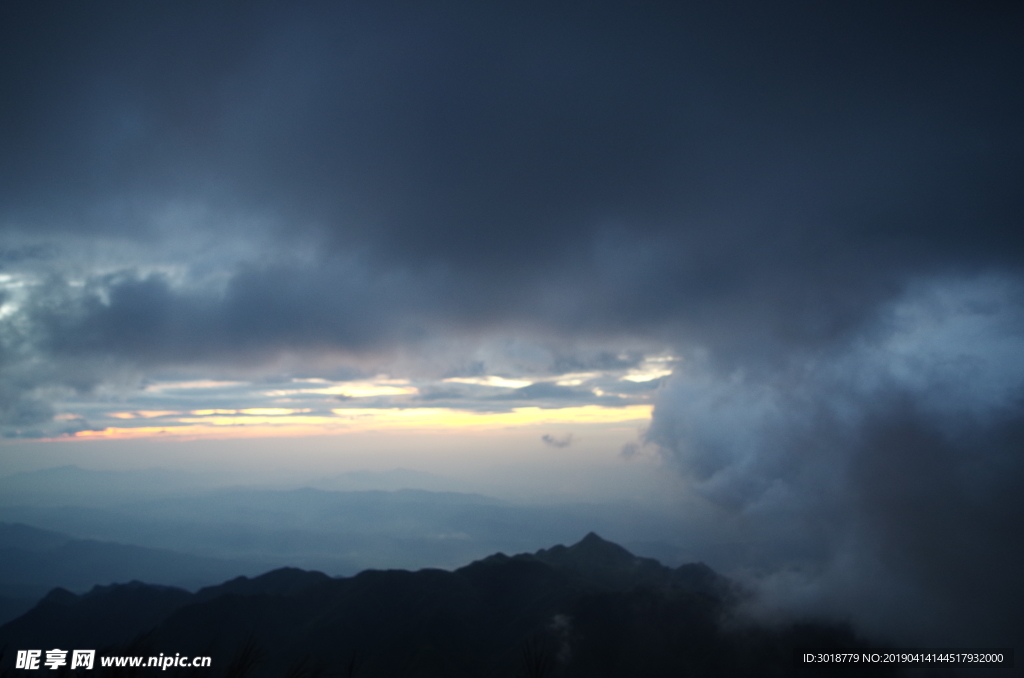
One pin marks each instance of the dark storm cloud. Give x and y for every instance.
(758, 185)
(888, 472)
(759, 177)
(17, 255)
(18, 409)
(265, 309)
(546, 391)
(602, 360)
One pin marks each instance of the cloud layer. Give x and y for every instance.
(883, 477)
(756, 179)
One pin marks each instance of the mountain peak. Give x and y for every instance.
(594, 539)
(60, 596)
(279, 582)
(596, 550)
(589, 553)
(605, 564)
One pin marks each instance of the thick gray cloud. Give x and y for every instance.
(783, 169)
(780, 190)
(885, 477)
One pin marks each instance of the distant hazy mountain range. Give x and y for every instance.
(591, 609)
(74, 486)
(340, 532)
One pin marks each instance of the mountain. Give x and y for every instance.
(33, 561)
(606, 565)
(72, 485)
(590, 609)
(281, 582)
(343, 533)
(104, 616)
(394, 479)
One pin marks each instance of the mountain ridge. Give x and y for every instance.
(34, 561)
(589, 609)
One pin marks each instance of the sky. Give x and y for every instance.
(771, 250)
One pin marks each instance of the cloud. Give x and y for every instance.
(546, 391)
(557, 441)
(887, 472)
(629, 451)
(484, 167)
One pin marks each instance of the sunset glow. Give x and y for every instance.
(256, 422)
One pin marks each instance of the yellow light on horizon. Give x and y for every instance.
(250, 420)
(446, 418)
(346, 420)
(651, 369)
(352, 389)
(576, 378)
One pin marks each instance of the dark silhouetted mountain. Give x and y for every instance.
(591, 609)
(106, 615)
(12, 607)
(33, 561)
(605, 565)
(282, 582)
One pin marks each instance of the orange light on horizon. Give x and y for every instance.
(274, 422)
(444, 418)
